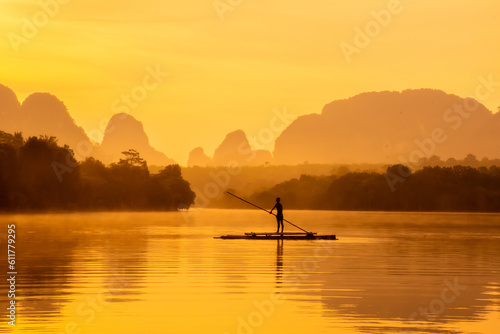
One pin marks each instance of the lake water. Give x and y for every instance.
(165, 273)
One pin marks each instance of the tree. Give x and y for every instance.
(31, 170)
(168, 190)
(15, 140)
(133, 158)
(9, 175)
(40, 182)
(471, 160)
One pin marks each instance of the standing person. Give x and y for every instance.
(279, 214)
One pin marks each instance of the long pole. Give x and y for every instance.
(244, 200)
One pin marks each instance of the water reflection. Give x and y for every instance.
(279, 263)
(64, 259)
(157, 273)
(423, 281)
(44, 263)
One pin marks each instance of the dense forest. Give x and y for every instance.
(37, 174)
(457, 188)
(211, 182)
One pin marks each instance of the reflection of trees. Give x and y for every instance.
(44, 257)
(64, 259)
(122, 257)
(399, 278)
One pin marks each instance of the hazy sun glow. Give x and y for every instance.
(228, 67)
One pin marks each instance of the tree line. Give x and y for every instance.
(457, 188)
(38, 174)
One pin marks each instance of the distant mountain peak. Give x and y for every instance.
(9, 110)
(125, 132)
(235, 148)
(197, 157)
(45, 114)
(389, 127)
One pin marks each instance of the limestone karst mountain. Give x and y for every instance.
(391, 127)
(40, 114)
(197, 157)
(235, 148)
(376, 127)
(44, 114)
(10, 109)
(124, 132)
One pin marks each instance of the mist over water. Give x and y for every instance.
(165, 273)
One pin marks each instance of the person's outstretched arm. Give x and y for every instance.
(271, 212)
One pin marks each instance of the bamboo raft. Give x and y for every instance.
(279, 236)
(304, 235)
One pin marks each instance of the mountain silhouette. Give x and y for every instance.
(45, 114)
(9, 110)
(235, 148)
(40, 114)
(375, 127)
(197, 157)
(384, 127)
(124, 132)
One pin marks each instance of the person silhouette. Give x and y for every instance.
(279, 214)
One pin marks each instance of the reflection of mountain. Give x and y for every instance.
(235, 148)
(381, 126)
(125, 132)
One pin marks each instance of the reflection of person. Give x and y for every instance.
(279, 262)
(279, 214)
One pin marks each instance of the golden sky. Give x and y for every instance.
(231, 62)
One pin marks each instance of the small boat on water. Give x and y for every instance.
(279, 236)
(304, 235)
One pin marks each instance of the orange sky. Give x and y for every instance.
(229, 67)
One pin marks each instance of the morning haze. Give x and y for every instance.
(230, 166)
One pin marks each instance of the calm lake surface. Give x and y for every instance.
(165, 273)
